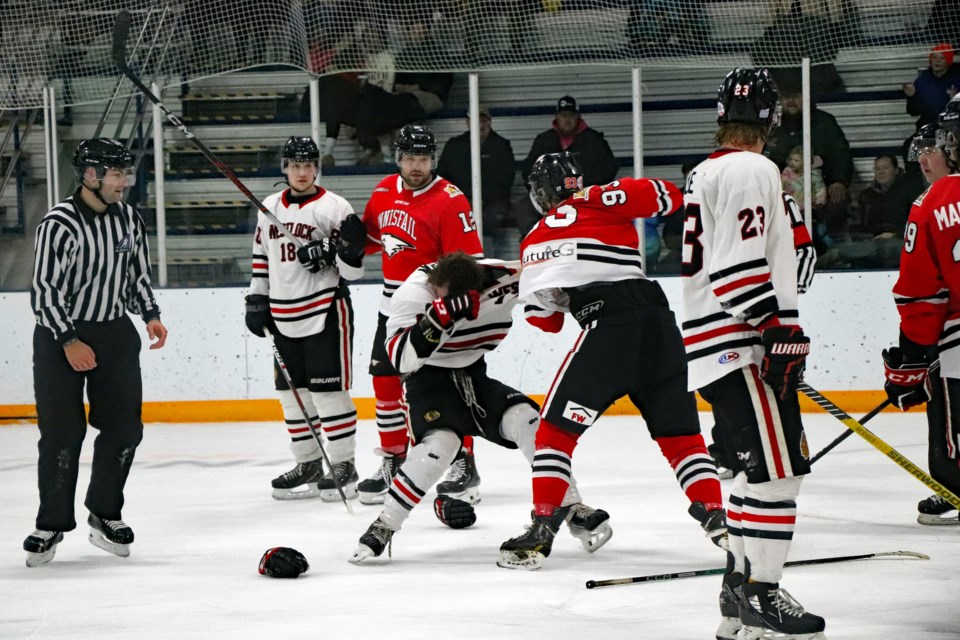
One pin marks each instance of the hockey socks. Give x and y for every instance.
(391, 423)
(423, 467)
(695, 469)
(551, 467)
(302, 443)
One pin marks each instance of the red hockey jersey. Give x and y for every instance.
(927, 293)
(414, 228)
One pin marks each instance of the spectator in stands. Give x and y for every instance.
(669, 230)
(792, 179)
(497, 174)
(884, 206)
(933, 88)
(662, 22)
(830, 144)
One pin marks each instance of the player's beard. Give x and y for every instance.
(415, 184)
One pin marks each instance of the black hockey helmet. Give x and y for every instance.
(415, 140)
(750, 96)
(925, 138)
(553, 178)
(101, 154)
(948, 122)
(299, 149)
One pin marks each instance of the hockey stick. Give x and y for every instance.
(121, 29)
(306, 416)
(846, 434)
(660, 577)
(878, 443)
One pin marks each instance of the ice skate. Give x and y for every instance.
(373, 490)
(590, 526)
(767, 612)
(372, 543)
(935, 510)
(463, 480)
(113, 536)
(730, 607)
(41, 546)
(530, 548)
(300, 482)
(346, 473)
(714, 523)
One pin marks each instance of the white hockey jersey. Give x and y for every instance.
(738, 252)
(299, 300)
(470, 339)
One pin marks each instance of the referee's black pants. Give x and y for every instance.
(115, 392)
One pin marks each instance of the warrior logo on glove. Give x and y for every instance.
(283, 562)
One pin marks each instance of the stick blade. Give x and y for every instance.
(121, 30)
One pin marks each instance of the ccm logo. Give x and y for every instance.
(906, 378)
(729, 357)
(790, 348)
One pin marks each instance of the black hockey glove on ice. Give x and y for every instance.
(786, 349)
(283, 562)
(454, 513)
(258, 315)
(353, 236)
(908, 383)
(318, 254)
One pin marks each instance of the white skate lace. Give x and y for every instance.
(785, 603)
(458, 470)
(295, 472)
(43, 534)
(381, 532)
(464, 385)
(115, 525)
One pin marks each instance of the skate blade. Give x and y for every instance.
(728, 629)
(361, 553)
(593, 540)
(531, 561)
(38, 559)
(302, 492)
(759, 633)
(332, 495)
(96, 539)
(372, 498)
(934, 520)
(470, 496)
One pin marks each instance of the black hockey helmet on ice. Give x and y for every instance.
(300, 149)
(750, 96)
(101, 154)
(415, 140)
(554, 177)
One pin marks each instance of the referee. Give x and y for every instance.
(92, 266)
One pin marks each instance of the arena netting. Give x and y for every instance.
(68, 42)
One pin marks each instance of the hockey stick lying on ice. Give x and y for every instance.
(306, 416)
(121, 29)
(660, 577)
(879, 444)
(849, 432)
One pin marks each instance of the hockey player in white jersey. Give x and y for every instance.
(444, 318)
(299, 295)
(746, 352)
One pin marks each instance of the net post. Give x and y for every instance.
(159, 190)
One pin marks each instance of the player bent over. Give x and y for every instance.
(583, 257)
(443, 320)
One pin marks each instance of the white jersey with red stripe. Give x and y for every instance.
(414, 228)
(470, 340)
(299, 300)
(927, 292)
(590, 237)
(738, 257)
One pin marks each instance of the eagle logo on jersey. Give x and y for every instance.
(392, 245)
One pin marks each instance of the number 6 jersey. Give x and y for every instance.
(738, 262)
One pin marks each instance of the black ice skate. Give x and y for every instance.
(346, 473)
(41, 545)
(300, 482)
(590, 526)
(767, 611)
(463, 480)
(110, 535)
(373, 490)
(935, 510)
(528, 550)
(730, 606)
(714, 523)
(372, 543)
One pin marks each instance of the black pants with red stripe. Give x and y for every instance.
(943, 422)
(115, 392)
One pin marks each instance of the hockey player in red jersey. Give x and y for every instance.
(927, 295)
(583, 257)
(443, 320)
(746, 351)
(412, 218)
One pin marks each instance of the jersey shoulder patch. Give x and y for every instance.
(452, 190)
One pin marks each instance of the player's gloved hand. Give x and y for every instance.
(454, 513)
(444, 312)
(907, 383)
(786, 349)
(258, 315)
(317, 254)
(353, 237)
(283, 562)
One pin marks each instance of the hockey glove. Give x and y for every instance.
(318, 254)
(907, 383)
(454, 513)
(445, 311)
(283, 562)
(353, 237)
(258, 315)
(786, 349)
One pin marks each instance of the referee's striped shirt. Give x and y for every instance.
(90, 266)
